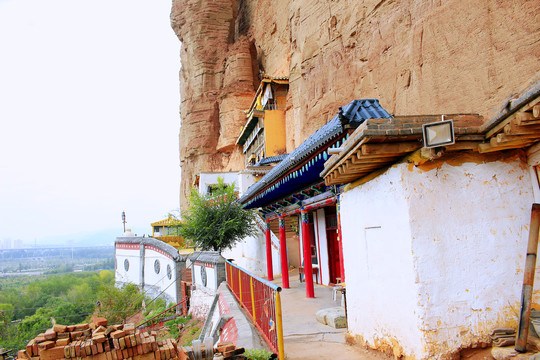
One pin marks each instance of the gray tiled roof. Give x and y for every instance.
(353, 114)
(271, 159)
(211, 257)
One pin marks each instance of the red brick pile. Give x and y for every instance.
(98, 341)
(228, 350)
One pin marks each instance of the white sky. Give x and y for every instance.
(89, 119)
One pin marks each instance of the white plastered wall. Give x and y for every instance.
(250, 254)
(380, 277)
(434, 258)
(211, 283)
(159, 282)
(469, 237)
(207, 179)
(132, 275)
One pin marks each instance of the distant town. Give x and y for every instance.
(41, 260)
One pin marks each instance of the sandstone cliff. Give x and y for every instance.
(416, 57)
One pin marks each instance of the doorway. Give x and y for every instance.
(334, 261)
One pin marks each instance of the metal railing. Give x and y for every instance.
(168, 314)
(261, 300)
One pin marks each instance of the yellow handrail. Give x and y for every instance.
(279, 326)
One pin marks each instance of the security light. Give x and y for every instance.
(438, 133)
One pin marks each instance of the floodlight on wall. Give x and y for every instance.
(439, 133)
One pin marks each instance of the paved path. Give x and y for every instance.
(305, 337)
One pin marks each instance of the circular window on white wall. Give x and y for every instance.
(169, 272)
(203, 275)
(126, 264)
(157, 266)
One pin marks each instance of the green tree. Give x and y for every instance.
(216, 221)
(117, 303)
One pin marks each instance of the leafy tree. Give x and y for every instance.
(216, 221)
(117, 303)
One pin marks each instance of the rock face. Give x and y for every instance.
(416, 57)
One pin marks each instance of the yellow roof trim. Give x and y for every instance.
(167, 222)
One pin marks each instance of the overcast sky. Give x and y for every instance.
(89, 120)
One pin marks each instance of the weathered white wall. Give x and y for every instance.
(381, 289)
(211, 283)
(242, 180)
(141, 266)
(250, 254)
(533, 160)
(133, 256)
(245, 180)
(434, 256)
(469, 227)
(206, 179)
(156, 283)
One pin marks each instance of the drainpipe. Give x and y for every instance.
(308, 266)
(283, 253)
(269, 252)
(528, 280)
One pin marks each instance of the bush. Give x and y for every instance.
(257, 354)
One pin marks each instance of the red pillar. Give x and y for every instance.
(269, 252)
(308, 266)
(283, 252)
(340, 239)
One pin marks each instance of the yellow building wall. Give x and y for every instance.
(274, 133)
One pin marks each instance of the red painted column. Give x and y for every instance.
(283, 253)
(340, 240)
(269, 252)
(308, 266)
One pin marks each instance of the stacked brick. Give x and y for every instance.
(225, 351)
(98, 341)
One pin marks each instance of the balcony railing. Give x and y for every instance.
(261, 300)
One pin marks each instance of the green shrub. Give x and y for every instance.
(257, 354)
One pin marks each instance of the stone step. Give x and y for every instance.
(334, 317)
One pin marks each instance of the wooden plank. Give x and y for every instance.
(536, 111)
(526, 123)
(518, 118)
(531, 104)
(533, 155)
(488, 147)
(524, 116)
(500, 126)
(363, 160)
(477, 137)
(399, 148)
(355, 169)
(503, 138)
(367, 164)
(463, 145)
(331, 164)
(513, 129)
(382, 157)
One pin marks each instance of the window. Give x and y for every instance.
(157, 266)
(210, 189)
(169, 271)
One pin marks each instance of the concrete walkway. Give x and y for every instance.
(304, 336)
